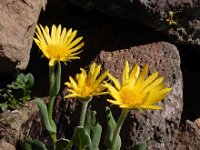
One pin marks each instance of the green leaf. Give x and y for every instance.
(20, 77)
(111, 125)
(90, 120)
(3, 106)
(63, 144)
(30, 144)
(95, 137)
(93, 129)
(43, 109)
(29, 80)
(139, 146)
(81, 138)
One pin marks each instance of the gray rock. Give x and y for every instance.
(17, 25)
(158, 128)
(189, 137)
(153, 13)
(15, 125)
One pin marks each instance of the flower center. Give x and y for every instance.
(56, 51)
(130, 96)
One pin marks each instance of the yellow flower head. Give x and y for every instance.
(85, 86)
(136, 91)
(170, 19)
(59, 45)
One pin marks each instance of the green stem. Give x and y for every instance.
(50, 109)
(118, 127)
(83, 111)
(54, 77)
(52, 80)
(54, 138)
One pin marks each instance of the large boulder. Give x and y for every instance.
(154, 14)
(17, 25)
(158, 128)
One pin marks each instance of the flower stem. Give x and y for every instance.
(54, 77)
(118, 128)
(50, 109)
(83, 111)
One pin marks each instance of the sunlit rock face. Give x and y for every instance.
(17, 26)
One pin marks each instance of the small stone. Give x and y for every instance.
(6, 146)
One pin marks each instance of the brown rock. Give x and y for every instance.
(6, 146)
(158, 128)
(17, 25)
(189, 137)
(15, 125)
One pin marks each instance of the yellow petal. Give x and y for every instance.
(46, 34)
(71, 96)
(71, 37)
(91, 72)
(73, 83)
(125, 74)
(134, 75)
(58, 32)
(155, 107)
(113, 92)
(114, 102)
(115, 81)
(149, 80)
(142, 76)
(74, 43)
(153, 85)
(68, 34)
(52, 62)
(53, 34)
(77, 47)
(62, 36)
(100, 79)
(96, 73)
(82, 78)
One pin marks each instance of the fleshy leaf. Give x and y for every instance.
(95, 135)
(43, 109)
(111, 125)
(81, 138)
(63, 144)
(30, 144)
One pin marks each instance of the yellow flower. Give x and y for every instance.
(170, 19)
(85, 86)
(136, 92)
(59, 45)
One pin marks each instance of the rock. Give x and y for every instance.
(6, 146)
(154, 14)
(17, 25)
(15, 125)
(197, 122)
(189, 137)
(158, 128)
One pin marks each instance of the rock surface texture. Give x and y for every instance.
(6, 146)
(159, 128)
(154, 13)
(189, 137)
(17, 25)
(15, 125)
